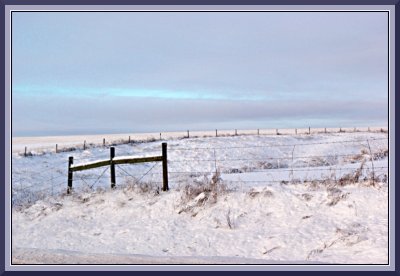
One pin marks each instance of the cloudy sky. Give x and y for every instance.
(104, 72)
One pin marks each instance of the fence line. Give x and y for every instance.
(121, 141)
(236, 159)
(263, 159)
(284, 169)
(141, 175)
(275, 146)
(284, 181)
(276, 169)
(370, 156)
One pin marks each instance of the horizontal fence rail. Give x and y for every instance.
(93, 165)
(118, 161)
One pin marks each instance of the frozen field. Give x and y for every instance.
(233, 199)
(48, 143)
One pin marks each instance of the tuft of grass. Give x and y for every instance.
(202, 192)
(380, 154)
(141, 187)
(253, 193)
(306, 197)
(265, 192)
(335, 195)
(352, 178)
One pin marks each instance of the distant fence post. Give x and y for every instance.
(295, 131)
(216, 133)
(70, 174)
(56, 148)
(104, 142)
(235, 131)
(372, 162)
(309, 130)
(129, 139)
(368, 129)
(325, 130)
(277, 132)
(112, 166)
(258, 131)
(25, 152)
(160, 135)
(165, 167)
(188, 134)
(84, 145)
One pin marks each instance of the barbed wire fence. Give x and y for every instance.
(283, 169)
(84, 145)
(187, 166)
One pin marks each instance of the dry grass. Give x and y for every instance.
(353, 177)
(335, 195)
(350, 236)
(230, 221)
(140, 187)
(201, 193)
(265, 192)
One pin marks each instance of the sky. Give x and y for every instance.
(106, 72)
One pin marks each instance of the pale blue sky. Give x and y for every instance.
(82, 73)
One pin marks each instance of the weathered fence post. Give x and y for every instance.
(70, 174)
(216, 133)
(112, 166)
(129, 139)
(104, 142)
(309, 130)
(188, 134)
(56, 148)
(235, 131)
(165, 167)
(25, 152)
(295, 131)
(325, 130)
(372, 162)
(84, 145)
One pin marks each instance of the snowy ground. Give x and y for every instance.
(282, 198)
(48, 143)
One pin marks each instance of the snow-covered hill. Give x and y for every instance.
(283, 198)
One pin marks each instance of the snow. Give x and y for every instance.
(266, 207)
(48, 143)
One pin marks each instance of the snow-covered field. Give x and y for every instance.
(48, 143)
(232, 199)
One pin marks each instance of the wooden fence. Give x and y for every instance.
(116, 161)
